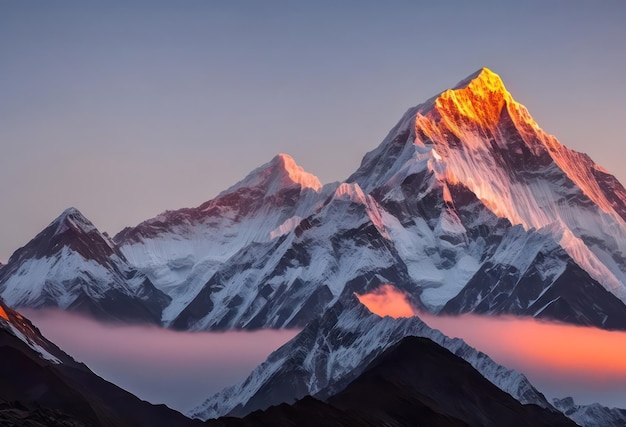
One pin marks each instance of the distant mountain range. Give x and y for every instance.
(467, 206)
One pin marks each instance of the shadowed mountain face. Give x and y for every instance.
(41, 385)
(417, 382)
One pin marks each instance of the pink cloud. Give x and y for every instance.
(180, 369)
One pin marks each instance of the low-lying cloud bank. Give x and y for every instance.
(180, 369)
(561, 360)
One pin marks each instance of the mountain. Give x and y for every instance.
(471, 162)
(591, 415)
(42, 385)
(72, 266)
(181, 250)
(290, 280)
(466, 206)
(333, 350)
(325, 372)
(415, 382)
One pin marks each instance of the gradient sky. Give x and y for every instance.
(124, 109)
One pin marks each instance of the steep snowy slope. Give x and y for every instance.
(39, 382)
(180, 250)
(476, 138)
(333, 350)
(415, 382)
(354, 244)
(594, 415)
(530, 274)
(71, 265)
(290, 280)
(467, 205)
(14, 324)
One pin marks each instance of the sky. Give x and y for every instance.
(125, 109)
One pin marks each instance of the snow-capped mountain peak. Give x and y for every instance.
(476, 136)
(279, 173)
(484, 78)
(70, 230)
(72, 218)
(337, 347)
(351, 192)
(480, 99)
(461, 186)
(73, 266)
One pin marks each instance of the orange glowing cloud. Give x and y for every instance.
(532, 345)
(561, 360)
(387, 300)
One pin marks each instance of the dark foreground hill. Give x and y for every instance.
(416, 383)
(41, 385)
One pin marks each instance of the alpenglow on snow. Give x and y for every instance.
(467, 205)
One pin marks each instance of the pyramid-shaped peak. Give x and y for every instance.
(280, 172)
(70, 230)
(482, 79)
(479, 99)
(72, 218)
(71, 212)
(296, 172)
(283, 159)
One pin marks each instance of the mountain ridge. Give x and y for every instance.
(333, 350)
(467, 205)
(71, 265)
(435, 210)
(409, 384)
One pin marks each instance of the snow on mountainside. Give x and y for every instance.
(467, 205)
(475, 135)
(593, 415)
(71, 265)
(289, 281)
(415, 382)
(181, 250)
(333, 350)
